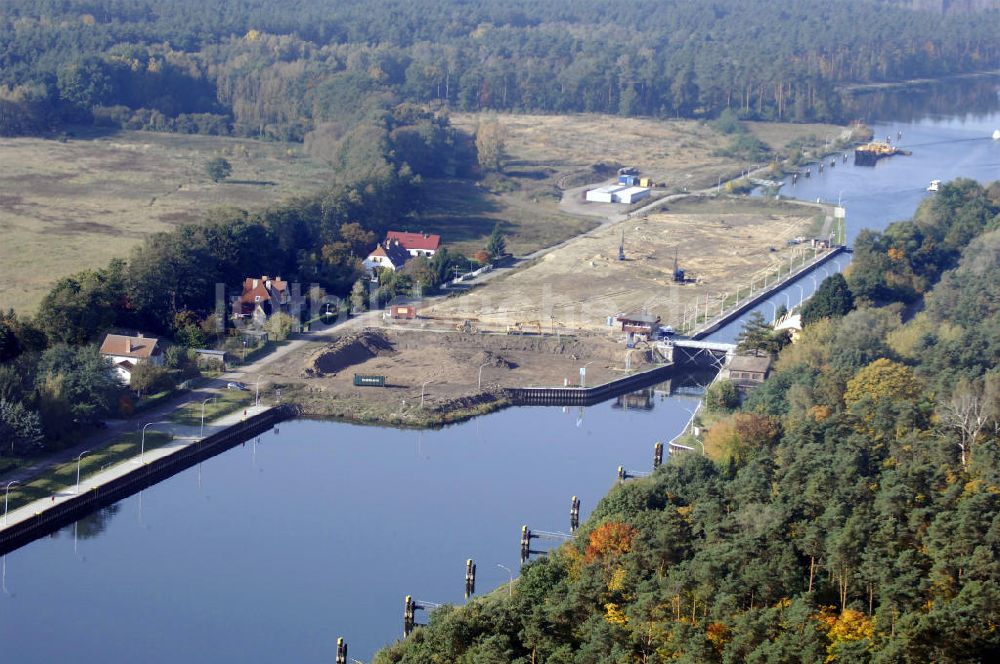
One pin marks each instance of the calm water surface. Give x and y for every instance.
(944, 147)
(272, 550)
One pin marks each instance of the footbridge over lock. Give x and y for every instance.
(697, 353)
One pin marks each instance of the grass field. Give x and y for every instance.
(465, 214)
(65, 207)
(226, 402)
(63, 476)
(677, 153)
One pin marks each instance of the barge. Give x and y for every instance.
(870, 153)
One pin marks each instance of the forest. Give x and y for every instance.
(847, 511)
(283, 70)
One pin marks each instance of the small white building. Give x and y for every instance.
(631, 195)
(604, 194)
(126, 352)
(617, 193)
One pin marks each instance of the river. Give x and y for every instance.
(316, 530)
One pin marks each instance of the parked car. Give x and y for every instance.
(237, 386)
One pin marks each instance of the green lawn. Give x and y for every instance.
(226, 402)
(63, 477)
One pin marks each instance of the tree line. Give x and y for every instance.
(847, 510)
(177, 284)
(272, 69)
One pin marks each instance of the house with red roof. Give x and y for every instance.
(417, 244)
(261, 298)
(126, 352)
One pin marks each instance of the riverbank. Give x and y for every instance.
(111, 484)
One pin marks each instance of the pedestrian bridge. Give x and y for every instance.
(713, 354)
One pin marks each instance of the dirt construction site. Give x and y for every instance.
(720, 244)
(447, 365)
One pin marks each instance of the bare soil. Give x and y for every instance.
(722, 244)
(446, 364)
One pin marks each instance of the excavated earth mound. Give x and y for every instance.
(347, 351)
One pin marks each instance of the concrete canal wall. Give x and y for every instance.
(47, 519)
(721, 321)
(587, 396)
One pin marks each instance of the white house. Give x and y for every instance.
(126, 352)
(389, 255)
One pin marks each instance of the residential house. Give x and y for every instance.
(127, 352)
(261, 298)
(416, 244)
(389, 255)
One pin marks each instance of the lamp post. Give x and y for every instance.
(202, 434)
(78, 457)
(142, 447)
(256, 397)
(422, 386)
(5, 496)
(481, 374)
(583, 373)
(510, 582)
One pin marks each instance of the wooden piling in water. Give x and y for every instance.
(470, 578)
(409, 613)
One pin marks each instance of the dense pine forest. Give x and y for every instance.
(250, 67)
(848, 511)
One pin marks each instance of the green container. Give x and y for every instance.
(361, 380)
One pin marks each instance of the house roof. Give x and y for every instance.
(644, 318)
(139, 347)
(259, 292)
(414, 241)
(394, 251)
(752, 363)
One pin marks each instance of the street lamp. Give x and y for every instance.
(5, 496)
(142, 448)
(583, 373)
(78, 457)
(481, 374)
(256, 398)
(202, 434)
(422, 386)
(510, 583)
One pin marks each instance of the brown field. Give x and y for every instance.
(465, 214)
(678, 153)
(66, 207)
(721, 243)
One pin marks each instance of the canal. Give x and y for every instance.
(316, 530)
